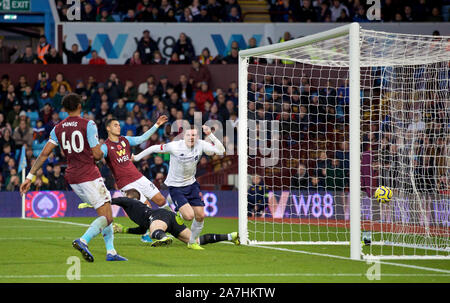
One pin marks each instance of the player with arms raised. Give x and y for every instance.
(78, 138)
(117, 151)
(183, 187)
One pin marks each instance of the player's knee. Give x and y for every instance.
(159, 200)
(199, 217)
(188, 216)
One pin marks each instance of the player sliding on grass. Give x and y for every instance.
(160, 221)
(183, 187)
(78, 138)
(117, 151)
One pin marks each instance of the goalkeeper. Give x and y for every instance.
(160, 221)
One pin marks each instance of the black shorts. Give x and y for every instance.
(169, 218)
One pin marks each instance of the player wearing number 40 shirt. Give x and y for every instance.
(78, 138)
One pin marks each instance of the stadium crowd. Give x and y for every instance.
(31, 107)
(279, 10)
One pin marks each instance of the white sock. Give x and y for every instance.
(196, 229)
(229, 237)
(112, 252)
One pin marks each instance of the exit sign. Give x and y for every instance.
(15, 5)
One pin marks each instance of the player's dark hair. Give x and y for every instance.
(109, 121)
(70, 102)
(133, 194)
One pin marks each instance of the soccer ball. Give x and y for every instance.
(383, 194)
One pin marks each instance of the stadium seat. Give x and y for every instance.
(34, 116)
(63, 115)
(130, 106)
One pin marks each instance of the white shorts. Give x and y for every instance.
(144, 186)
(93, 192)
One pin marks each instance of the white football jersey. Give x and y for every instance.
(183, 161)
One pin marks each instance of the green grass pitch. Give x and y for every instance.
(39, 250)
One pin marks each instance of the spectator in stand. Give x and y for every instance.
(146, 47)
(184, 48)
(20, 87)
(57, 98)
(435, 15)
(59, 80)
(23, 134)
(197, 74)
(230, 4)
(74, 56)
(323, 13)
(6, 139)
(104, 16)
(203, 95)
(205, 57)
(96, 59)
(307, 13)
(195, 9)
(234, 15)
(39, 181)
(53, 57)
(170, 16)
(336, 8)
(120, 112)
(28, 57)
(184, 89)
(88, 13)
(135, 59)
(29, 101)
(158, 166)
(130, 17)
(408, 14)
(215, 10)
(129, 125)
(344, 17)
(8, 153)
(129, 91)
(284, 10)
(300, 181)
(175, 59)
(232, 58)
(203, 16)
(158, 58)
(114, 87)
(43, 48)
(257, 197)
(56, 178)
(6, 52)
(360, 15)
(13, 181)
(187, 15)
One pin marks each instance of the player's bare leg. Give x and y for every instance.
(158, 233)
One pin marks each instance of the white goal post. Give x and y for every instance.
(323, 105)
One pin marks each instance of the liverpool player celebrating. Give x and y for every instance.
(78, 138)
(117, 151)
(183, 187)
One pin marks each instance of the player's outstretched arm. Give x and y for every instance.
(161, 148)
(145, 136)
(48, 148)
(216, 147)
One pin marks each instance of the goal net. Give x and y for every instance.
(326, 119)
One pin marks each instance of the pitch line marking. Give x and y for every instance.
(347, 258)
(221, 275)
(292, 250)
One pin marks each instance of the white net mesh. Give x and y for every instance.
(298, 157)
